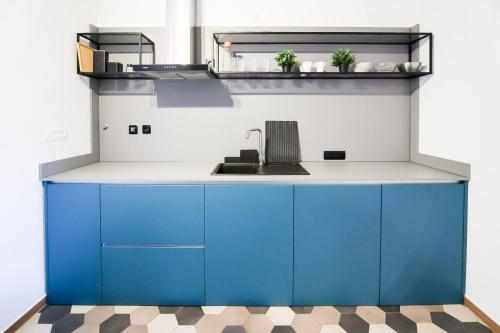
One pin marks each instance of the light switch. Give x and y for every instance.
(55, 134)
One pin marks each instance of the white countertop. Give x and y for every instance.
(331, 172)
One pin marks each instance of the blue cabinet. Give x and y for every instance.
(73, 246)
(422, 244)
(152, 214)
(249, 244)
(337, 244)
(153, 275)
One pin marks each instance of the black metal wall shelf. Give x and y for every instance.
(411, 40)
(316, 75)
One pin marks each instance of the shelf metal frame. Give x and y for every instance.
(411, 39)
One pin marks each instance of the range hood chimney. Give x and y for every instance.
(181, 31)
(181, 44)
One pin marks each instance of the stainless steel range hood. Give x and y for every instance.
(181, 42)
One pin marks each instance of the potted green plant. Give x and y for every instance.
(342, 58)
(286, 59)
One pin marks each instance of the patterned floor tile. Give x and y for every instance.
(164, 323)
(115, 324)
(258, 323)
(352, 323)
(381, 328)
(128, 309)
(418, 314)
(213, 309)
(332, 329)
(429, 328)
(143, 315)
(51, 313)
(460, 312)
(98, 315)
(32, 326)
(280, 315)
(476, 328)
(346, 309)
(68, 323)
(169, 309)
(283, 329)
(87, 329)
(390, 308)
(184, 329)
(305, 323)
(400, 323)
(302, 309)
(81, 308)
(327, 315)
(371, 314)
(210, 324)
(447, 322)
(257, 309)
(235, 315)
(189, 315)
(136, 329)
(234, 329)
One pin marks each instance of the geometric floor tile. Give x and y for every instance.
(143, 315)
(352, 323)
(163, 323)
(460, 312)
(381, 328)
(258, 323)
(280, 316)
(447, 322)
(305, 323)
(429, 328)
(327, 315)
(247, 319)
(235, 316)
(416, 313)
(372, 314)
(400, 323)
(332, 329)
(115, 324)
(189, 315)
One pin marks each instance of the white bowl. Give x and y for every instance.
(386, 67)
(363, 67)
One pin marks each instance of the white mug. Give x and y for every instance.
(306, 66)
(320, 66)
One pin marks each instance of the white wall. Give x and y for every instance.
(39, 88)
(459, 120)
(131, 13)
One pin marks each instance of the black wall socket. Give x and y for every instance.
(334, 154)
(146, 129)
(132, 129)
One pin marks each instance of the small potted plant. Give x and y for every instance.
(286, 59)
(342, 58)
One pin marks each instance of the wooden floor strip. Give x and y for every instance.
(481, 315)
(25, 317)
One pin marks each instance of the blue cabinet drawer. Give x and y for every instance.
(422, 244)
(73, 244)
(153, 275)
(249, 244)
(337, 244)
(152, 214)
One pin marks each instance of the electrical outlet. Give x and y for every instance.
(334, 154)
(55, 134)
(132, 129)
(146, 129)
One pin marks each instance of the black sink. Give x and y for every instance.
(261, 170)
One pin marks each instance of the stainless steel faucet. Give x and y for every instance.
(261, 153)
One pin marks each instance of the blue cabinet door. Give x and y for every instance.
(337, 244)
(73, 246)
(422, 243)
(249, 244)
(152, 214)
(153, 275)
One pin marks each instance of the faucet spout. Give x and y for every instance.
(261, 155)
